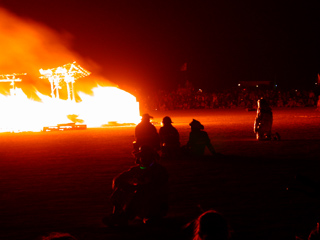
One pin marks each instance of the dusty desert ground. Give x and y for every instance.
(61, 181)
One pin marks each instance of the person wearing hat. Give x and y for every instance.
(146, 134)
(198, 140)
(140, 192)
(263, 121)
(169, 138)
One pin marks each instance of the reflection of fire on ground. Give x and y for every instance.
(108, 104)
(26, 105)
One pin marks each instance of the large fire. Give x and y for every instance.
(106, 105)
(27, 105)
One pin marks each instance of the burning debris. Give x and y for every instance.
(65, 127)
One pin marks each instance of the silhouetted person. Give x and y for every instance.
(141, 191)
(315, 233)
(198, 140)
(169, 138)
(263, 121)
(146, 134)
(210, 225)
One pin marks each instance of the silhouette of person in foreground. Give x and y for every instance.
(315, 233)
(169, 139)
(58, 236)
(198, 140)
(140, 192)
(210, 225)
(146, 134)
(263, 121)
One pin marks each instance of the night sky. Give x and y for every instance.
(143, 44)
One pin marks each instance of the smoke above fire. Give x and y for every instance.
(27, 46)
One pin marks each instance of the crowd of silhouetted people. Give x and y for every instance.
(189, 98)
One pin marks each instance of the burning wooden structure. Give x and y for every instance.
(67, 73)
(11, 78)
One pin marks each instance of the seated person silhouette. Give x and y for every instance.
(169, 139)
(140, 192)
(146, 134)
(198, 140)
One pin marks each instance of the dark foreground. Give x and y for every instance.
(61, 181)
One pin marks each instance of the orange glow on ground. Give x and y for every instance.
(107, 104)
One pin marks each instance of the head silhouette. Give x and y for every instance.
(196, 125)
(262, 103)
(211, 226)
(146, 117)
(146, 156)
(166, 121)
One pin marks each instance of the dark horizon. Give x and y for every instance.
(142, 45)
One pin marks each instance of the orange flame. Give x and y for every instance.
(108, 104)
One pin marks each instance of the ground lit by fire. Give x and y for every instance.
(61, 181)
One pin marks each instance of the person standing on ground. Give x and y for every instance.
(263, 121)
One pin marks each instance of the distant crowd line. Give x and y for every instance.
(188, 98)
